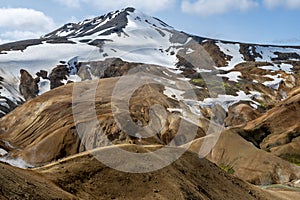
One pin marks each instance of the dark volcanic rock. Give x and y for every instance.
(249, 52)
(117, 68)
(285, 56)
(43, 74)
(116, 22)
(28, 85)
(20, 45)
(58, 74)
(219, 57)
(110, 67)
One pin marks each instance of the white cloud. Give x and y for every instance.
(19, 35)
(23, 23)
(215, 7)
(69, 3)
(25, 19)
(289, 4)
(16, 35)
(145, 5)
(107, 5)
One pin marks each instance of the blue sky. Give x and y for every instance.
(255, 21)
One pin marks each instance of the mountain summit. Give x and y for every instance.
(114, 22)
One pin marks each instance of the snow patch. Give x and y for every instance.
(44, 86)
(253, 105)
(3, 152)
(270, 68)
(268, 53)
(173, 93)
(198, 70)
(194, 108)
(275, 83)
(8, 145)
(226, 100)
(287, 68)
(189, 51)
(175, 110)
(232, 50)
(232, 76)
(16, 162)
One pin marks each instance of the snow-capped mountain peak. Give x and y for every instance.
(113, 22)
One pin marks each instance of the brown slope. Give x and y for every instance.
(25, 184)
(43, 129)
(247, 162)
(187, 178)
(278, 130)
(83, 176)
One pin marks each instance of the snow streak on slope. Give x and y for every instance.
(232, 50)
(287, 68)
(9, 91)
(275, 83)
(45, 56)
(17, 162)
(232, 76)
(268, 53)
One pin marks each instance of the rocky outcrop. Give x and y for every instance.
(285, 56)
(110, 67)
(115, 23)
(240, 114)
(43, 74)
(28, 85)
(278, 130)
(20, 45)
(220, 58)
(57, 75)
(241, 158)
(249, 52)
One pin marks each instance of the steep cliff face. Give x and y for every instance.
(28, 85)
(277, 131)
